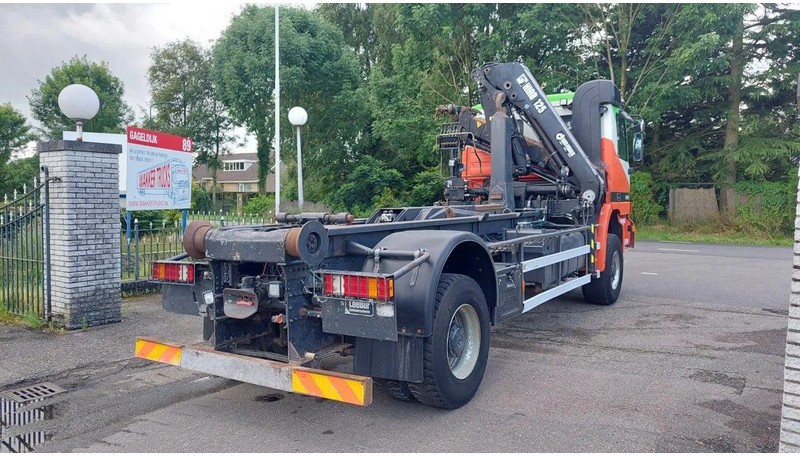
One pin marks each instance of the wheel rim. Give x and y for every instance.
(615, 270)
(463, 341)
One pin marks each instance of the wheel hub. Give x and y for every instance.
(463, 341)
(456, 339)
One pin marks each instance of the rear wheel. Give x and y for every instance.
(395, 388)
(605, 289)
(455, 355)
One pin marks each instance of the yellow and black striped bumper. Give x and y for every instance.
(338, 386)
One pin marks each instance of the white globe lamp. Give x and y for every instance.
(79, 103)
(298, 117)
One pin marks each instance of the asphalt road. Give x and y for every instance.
(756, 277)
(689, 359)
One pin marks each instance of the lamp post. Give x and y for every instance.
(298, 117)
(79, 103)
(277, 95)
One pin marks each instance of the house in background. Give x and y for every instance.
(238, 175)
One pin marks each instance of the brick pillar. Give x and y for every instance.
(790, 419)
(84, 232)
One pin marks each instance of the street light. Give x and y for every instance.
(298, 117)
(79, 103)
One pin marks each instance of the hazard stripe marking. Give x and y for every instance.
(154, 351)
(344, 390)
(329, 387)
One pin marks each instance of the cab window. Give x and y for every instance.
(623, 143)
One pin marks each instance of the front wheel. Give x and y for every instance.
(604, 290)
(455, 355)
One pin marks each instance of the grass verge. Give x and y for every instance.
(30, 321)
(709, 234)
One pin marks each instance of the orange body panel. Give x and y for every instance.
(616, 182)
(478, 167)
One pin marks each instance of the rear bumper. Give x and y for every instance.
(338, 386)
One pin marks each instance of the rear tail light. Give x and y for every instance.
(354, 286)
(174, 272)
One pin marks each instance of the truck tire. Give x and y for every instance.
(455, 354)
(605, 289)
(395, 388)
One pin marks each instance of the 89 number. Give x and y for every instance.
(187, 145)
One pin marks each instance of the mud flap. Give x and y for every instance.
(401, 360)
(179, 298)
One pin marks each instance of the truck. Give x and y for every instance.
(536, 204)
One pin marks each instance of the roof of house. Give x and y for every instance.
(248, 175)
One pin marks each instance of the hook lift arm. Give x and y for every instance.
(505, 85)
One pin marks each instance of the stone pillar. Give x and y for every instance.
(790, 417)
(85, 250)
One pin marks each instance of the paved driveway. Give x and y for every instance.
(689, 359)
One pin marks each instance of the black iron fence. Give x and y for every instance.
(221, 219)
(25, 250)
(147, 243)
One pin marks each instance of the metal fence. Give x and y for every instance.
(149, 242)
(25, 251)
(221, 219)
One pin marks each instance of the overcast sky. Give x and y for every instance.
(38, 37)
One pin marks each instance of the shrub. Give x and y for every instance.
(201, 199)
(260, 204)
(428, 187)
(767, 206)
(367, 181)
(645, 209)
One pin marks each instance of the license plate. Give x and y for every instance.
(358, 307)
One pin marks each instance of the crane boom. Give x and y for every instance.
(504, 85)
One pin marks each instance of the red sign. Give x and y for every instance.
(158, 139)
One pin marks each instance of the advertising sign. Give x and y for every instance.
(159, 171)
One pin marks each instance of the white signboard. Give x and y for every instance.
(106, 138)
(159, 171)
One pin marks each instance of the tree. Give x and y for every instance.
(113, 115)
(761, 140)
(14, 136)
(14, 133)
(370, 30)
(369, 183)
(182, 85)
(18, 173)
(317, 72)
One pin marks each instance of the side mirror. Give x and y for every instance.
(638, 146)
